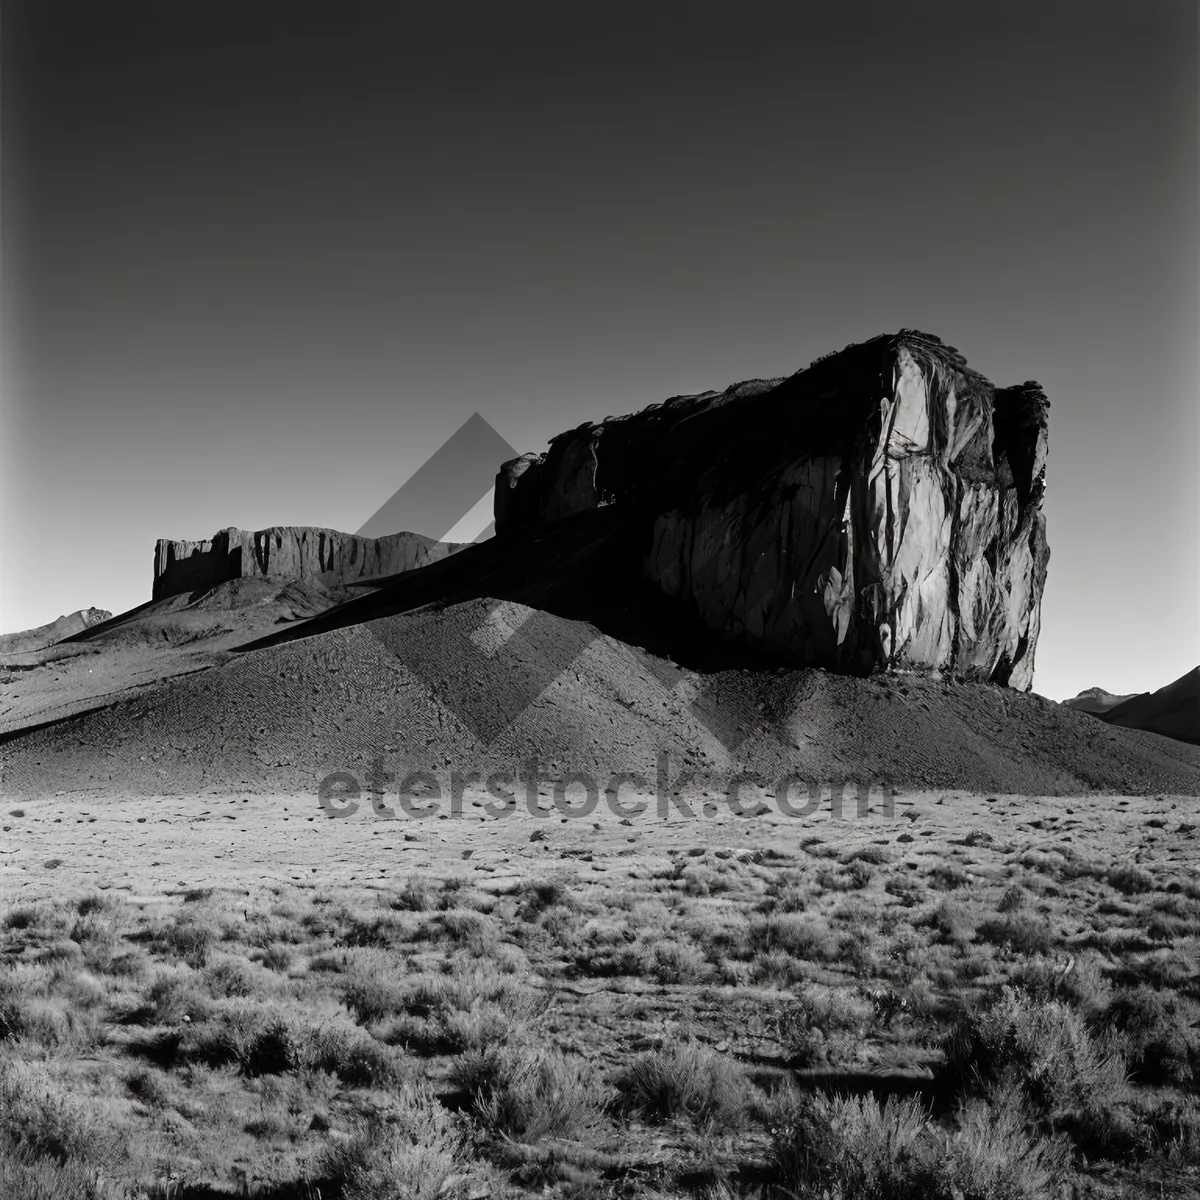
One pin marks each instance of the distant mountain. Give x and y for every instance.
(29, 640)
(1173, 711)
(1096, 700)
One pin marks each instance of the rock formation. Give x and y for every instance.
(1096, 700)
(291, 552)
(30, 640)
(1173, 711)
(881, 510)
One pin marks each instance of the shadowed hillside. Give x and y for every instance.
(1173, 711)
(422, 690)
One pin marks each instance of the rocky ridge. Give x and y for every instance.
(290, 552)
(30, 640)
(1172, 711)
(1097, 700)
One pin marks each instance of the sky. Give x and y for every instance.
(261, 260)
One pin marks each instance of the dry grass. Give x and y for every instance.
(688, 1081)
(859, 1149)
(1011, 1021)
(417, 1152)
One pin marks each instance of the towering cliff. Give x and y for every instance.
(881, 510)
(288, 551)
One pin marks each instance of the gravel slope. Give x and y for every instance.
(430, 689)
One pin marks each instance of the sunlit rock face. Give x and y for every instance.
(291, 552)
(881, 510)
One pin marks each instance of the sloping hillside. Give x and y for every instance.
(473, 688)
(30, 640)
(1173, 711)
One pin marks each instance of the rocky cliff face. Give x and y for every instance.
(292, 552)
(881, 510)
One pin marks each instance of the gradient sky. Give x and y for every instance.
(260, 260)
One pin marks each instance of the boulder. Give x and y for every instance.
(289, 552)
(880, 510)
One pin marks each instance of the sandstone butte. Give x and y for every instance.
(881, 510)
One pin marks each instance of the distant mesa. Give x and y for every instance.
(289, 552)
(50, 634)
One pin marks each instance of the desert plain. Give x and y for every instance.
(238, 994)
